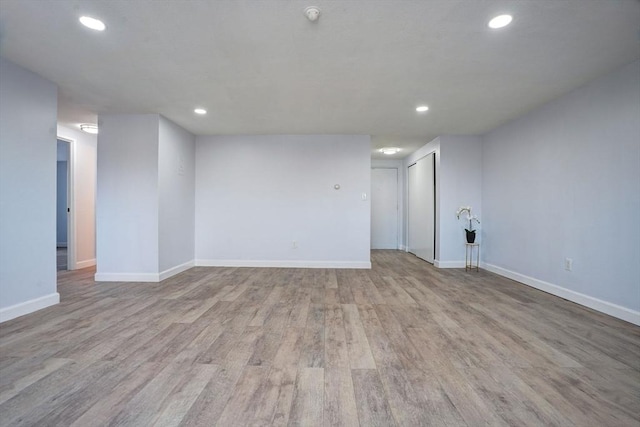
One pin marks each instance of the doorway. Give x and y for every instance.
(62, 205)
(421, 206)
(384, 208)
(64, 193)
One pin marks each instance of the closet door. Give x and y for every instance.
(422, 208)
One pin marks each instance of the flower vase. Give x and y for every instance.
(471, 236)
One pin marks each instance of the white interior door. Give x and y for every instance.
(422, 208)
(384, 209)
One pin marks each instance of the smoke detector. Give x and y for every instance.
(312, 13)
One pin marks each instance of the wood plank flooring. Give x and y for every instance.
(61, 259)
(401, 344)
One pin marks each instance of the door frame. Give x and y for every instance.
(398, 189)
(71, 207)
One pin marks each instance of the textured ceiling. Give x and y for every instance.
(260, 67)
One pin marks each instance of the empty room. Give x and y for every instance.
(320, 213)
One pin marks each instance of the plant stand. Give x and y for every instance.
(468, 256)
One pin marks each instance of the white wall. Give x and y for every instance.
(564, 182)
(176, 177)
(146, 198)
(83, 174)
(460, 185)
(256, 195)
(28, 109)
(127, 197)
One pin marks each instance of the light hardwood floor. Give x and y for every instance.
(400, 344)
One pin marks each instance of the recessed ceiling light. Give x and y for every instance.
(92, 129)
(422, 109)
(93, 23)
(200, 111)
(500, 21)
(389, 150)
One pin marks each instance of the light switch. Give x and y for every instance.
(364, 196)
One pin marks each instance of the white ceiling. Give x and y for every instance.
(260, 67)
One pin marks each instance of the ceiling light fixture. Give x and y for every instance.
(389, 150)
(200, 111)
(92, 129)
(500, 21)
(93, 23)
(422, 109)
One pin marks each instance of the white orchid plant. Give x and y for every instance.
(469, 217)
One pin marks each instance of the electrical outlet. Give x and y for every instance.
(294, 245)
(568, 264)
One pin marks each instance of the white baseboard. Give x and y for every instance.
(143, 277)
(27, 307)
(605, 307)
(85, 263)
(448, 264)
(127, 277)
(282, 263)
(176, 270)
(402, 248)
